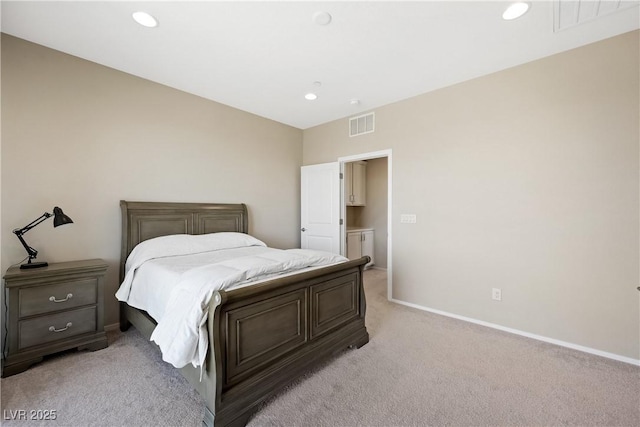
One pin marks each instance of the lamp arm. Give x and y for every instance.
(30, 251)
(20, 231)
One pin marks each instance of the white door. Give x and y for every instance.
(320, 207)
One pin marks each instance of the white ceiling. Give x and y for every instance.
(262, 57)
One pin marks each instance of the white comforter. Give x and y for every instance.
(181, 330)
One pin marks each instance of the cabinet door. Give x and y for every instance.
(354, 250)
(367, 245)
(348, 184)
(359, 183)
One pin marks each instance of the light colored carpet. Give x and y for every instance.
(418, 369)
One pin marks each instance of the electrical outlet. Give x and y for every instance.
(496, 294)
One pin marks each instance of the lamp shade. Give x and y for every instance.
(59, 218)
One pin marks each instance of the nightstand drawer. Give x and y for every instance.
(62, 296)
(44, 329)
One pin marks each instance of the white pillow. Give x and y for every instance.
(187, 244)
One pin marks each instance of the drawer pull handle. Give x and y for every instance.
(53, 329)
(53, 299)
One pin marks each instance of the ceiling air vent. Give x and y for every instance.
(569, 13)
(362, 124)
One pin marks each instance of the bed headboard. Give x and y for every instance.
(146, 220)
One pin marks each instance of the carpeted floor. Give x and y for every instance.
(418, 369)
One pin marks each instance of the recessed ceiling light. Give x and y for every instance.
(321, 18)
(311, 96)
(144, 19)
(515, 10)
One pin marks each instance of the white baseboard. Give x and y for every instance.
(525, 334)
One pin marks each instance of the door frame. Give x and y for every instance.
(343, 208)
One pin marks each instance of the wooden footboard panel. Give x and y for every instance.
(257, 334)
(267, 335)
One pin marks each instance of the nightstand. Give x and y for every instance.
(52, 309)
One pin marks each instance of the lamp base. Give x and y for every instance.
(34, 265)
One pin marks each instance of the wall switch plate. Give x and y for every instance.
(408, 219)
(496, 294)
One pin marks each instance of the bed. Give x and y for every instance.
(261, 337)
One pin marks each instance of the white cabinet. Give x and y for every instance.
(355, 183)
(354, 245)
(367, 245)
(360, 243)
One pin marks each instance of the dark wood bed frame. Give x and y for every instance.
(261, 337)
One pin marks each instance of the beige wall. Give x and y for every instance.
(83, 136)
(524, 180)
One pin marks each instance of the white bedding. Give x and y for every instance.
(156, 278)
(173, 278)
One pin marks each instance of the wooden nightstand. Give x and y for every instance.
(52, 309)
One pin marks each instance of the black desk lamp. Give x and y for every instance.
(59, 218)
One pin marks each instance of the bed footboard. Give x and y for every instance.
(263, 337)
(267, 335)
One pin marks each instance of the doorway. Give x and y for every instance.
(372, 216)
